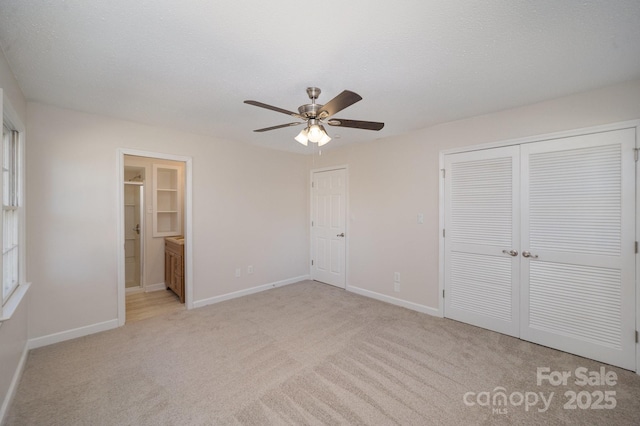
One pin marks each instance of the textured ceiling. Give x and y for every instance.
(189, 65)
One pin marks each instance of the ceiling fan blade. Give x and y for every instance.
(277, 127)
(337, 104)
(273, 108)
(356, 124)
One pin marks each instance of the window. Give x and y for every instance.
(10, 211)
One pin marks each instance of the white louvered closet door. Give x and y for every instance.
(578, 224)
(481, 223)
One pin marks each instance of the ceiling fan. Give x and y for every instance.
(313, 115)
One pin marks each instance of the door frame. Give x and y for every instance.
(529, 139)
(344, 167)
(188, 223)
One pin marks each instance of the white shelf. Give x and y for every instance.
(167, 200)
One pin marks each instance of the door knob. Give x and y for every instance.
(340, 235)
(528, 254)
(137, 229)
(511, 252)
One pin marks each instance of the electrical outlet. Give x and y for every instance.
(250, 269)
(396, 287)
(238, 272)
(396, 277)
(420, 218)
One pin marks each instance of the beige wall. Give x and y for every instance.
(394, 179)
(13, 342)
(13, 333)
(249, 204)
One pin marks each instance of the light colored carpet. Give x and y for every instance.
(306, 353)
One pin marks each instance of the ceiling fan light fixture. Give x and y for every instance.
(315, 133)
(325, 139)
(302, 137)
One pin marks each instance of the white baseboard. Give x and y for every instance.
(155, 287)
(240, 293)
(72, 334)
(394, 301)
(146, 289)
(13, 387)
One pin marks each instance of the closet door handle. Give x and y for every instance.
(528, 254)
(510, 252)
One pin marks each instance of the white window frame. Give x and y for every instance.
(11, 207)
(10, 302)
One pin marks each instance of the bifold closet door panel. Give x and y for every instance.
(481, 225)
(577, 283)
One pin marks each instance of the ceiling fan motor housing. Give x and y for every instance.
(309, 110)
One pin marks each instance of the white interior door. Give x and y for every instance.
(482, 238)
(578, 223)
(328, 227)
(568, 207)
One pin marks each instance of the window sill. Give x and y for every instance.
(14, 301)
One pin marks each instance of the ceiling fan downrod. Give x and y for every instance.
(311, 110)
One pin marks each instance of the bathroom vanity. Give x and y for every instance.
(174, 265)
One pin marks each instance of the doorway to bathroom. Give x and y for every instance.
(155, 212)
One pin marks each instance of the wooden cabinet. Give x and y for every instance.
(174, 265)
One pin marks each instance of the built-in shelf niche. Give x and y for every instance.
(167, 201)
